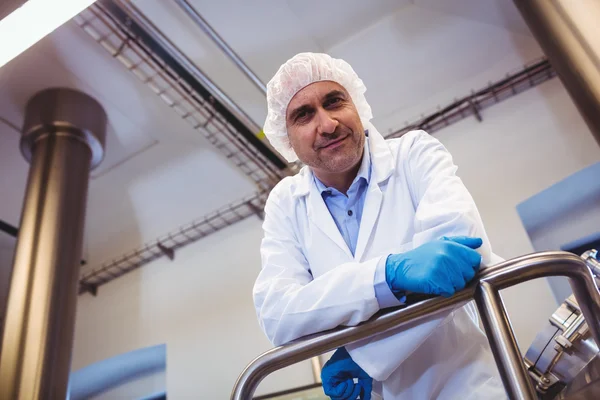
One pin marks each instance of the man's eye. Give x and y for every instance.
(332, 102)
(302, 115)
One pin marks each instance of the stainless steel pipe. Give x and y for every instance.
(567, 31)
(500, 276)
(63, 138)
(134, 13)
(503, 343)
(205, 26)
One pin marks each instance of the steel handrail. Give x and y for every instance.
(484, 289)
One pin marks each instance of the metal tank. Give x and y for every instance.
(563, 359)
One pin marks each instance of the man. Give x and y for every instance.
(364, 223)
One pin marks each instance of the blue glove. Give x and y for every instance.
(338, 376)
(441, 267)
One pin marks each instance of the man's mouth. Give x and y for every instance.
(333, 143)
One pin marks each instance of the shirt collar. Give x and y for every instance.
(365, 166)
(364, 172)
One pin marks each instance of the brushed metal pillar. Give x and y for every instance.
(503, 343)
(63, 139)
(568, 33)
(317, 368)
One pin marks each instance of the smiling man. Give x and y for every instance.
(334, 155)
(364, 223)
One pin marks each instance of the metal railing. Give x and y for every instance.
(484, 289)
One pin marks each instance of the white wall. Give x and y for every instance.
(199, 305)
(418, 59)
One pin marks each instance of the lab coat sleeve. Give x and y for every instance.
(289, 302)
(443, 207)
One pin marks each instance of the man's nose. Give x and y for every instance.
(326, 122)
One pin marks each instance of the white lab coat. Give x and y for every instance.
(310, 282)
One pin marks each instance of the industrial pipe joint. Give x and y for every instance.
(65, 112)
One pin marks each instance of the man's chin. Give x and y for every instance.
(339, 163)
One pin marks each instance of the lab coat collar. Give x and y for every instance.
(382, 163)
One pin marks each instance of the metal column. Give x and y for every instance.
(63, 138)
(503, 343)
(567, 31)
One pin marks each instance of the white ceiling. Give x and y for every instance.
(263, 33)
(500, 13)
(159, 173)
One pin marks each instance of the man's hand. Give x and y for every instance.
(441, 267)
(338, 376)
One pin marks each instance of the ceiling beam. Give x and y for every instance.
(132, 39)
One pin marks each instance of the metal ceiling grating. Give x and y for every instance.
(184, 96)
(166, 245)
(532, 74)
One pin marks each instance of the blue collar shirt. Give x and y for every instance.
(346, 211)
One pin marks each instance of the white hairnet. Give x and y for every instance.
(297, 73)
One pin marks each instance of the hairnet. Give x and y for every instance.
(297, 73)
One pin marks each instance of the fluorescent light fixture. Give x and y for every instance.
(32, 21)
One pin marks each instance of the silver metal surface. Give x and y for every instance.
(502, 342)
(65, 110)
(500, 276)
(564, 315)
(575, 330)
(315, 362)
(568, 33)
(586, 382)
(205, 26)
(591, 259)
(589, 392)
(563, 350)
(40, 316)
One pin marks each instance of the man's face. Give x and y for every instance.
(324, 128)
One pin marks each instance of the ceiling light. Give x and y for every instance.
(32, 21)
